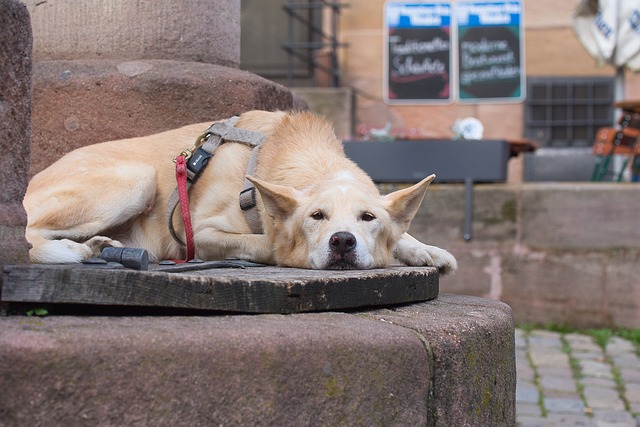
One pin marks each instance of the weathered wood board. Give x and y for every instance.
(248, 290)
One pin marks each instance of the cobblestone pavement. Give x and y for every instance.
(569, 380)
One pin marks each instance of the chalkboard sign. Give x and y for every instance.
(417, 52)
(490, 63)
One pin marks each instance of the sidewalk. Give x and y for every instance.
(568, 380)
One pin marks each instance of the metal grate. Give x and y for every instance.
(567, 112)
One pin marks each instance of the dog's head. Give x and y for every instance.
(340, 223)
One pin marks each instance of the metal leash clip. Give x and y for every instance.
(189, 151)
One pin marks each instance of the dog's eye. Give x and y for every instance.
(317, 215)
(368, 216)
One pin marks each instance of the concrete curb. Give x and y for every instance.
(445, 362)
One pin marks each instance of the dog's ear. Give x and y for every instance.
(279, 201)
(403, 204)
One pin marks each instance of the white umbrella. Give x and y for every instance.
(610, 31)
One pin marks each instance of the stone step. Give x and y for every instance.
(82, 102)
(445, 362)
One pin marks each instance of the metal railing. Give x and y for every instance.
(319, 53)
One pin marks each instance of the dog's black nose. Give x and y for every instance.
(342, 242)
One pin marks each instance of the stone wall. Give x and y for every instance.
(15, 127)
(441, 363)
(560, 253)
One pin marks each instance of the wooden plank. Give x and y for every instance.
(249, 290)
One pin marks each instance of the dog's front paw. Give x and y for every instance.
(98, 243)
(418, 254)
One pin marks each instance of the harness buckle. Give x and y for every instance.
(248, 199)
(197, 163)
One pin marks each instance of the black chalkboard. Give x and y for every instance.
(418, 52)
(489, 51)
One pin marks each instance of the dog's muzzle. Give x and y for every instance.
(342, 254)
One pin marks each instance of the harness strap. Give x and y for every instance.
(248, 200)
(181, 179)
(198, 158)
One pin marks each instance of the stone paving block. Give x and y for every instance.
(598, 382)
(626, 359)
(620, 345)
(632, 392)
(558, 383)
(526, 392)
(582, 343)
(521, 356)
(634, 407)
(564, 405)
(525, 373)
(524, 409)
(533, 421)
(613, 416)
(603, 398)
(553, 394)
(588, 355)
(570, 420)
(630, 374)
(544, 337)
(593, 368)
(562, 372)
(542, 357)
(520, 339)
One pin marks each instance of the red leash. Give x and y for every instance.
(181, 178)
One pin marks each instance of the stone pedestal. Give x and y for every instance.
(446, 362)
(15, 128)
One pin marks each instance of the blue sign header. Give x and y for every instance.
(475, 14)
(418, 15)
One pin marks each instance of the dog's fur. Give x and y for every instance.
(318, 209)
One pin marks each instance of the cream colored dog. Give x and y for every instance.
(317, 208)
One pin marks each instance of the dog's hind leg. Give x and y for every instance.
(68, 218)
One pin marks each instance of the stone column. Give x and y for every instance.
(113, 69)
(15, 128)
